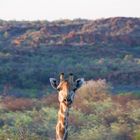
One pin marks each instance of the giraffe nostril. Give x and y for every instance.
(69, 100)
(65, 99)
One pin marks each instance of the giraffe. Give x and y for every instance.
(66, 92)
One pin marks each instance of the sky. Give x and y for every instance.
(67, 9)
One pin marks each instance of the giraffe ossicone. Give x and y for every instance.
(66, 91)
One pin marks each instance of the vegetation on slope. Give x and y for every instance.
(95, 115)
(116, 31)
(29, 69)
(31, 52)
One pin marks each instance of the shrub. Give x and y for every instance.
(13, 104)
(50, 100)
(137, 135)
(93, 88)
(92, 91)
(29, 125)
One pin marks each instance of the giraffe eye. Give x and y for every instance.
(74, 89)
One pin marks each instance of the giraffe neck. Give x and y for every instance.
(62, 124)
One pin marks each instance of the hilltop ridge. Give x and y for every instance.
(114, 31)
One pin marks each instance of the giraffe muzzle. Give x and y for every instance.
(68, 101)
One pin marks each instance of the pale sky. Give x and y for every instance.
(67, 9)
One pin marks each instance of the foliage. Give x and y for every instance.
(29, 68)
(14, 104)
(30, 125)
(93, 116)
(31, 52)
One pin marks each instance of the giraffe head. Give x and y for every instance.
(66, 88)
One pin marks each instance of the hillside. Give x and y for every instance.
(114, 31)
(31, 52)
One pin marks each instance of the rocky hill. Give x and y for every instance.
(114, 31)
(31, 52)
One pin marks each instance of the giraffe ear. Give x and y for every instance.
(79, 82)
(54, 83)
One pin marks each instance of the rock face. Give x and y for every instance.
(114, 31)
